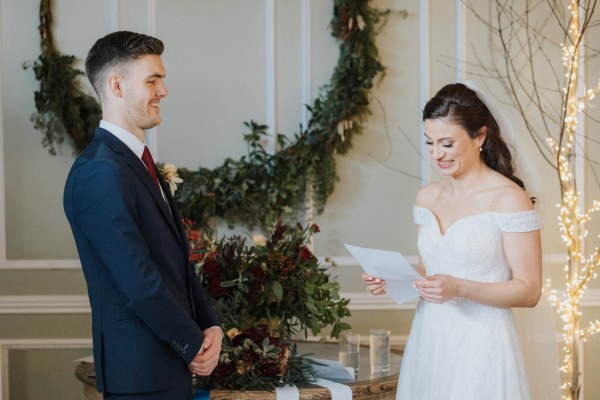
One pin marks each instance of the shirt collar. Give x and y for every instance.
(130, 140)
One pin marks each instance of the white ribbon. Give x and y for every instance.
(338, 391)
(289, 392)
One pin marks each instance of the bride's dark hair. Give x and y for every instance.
(461, 105)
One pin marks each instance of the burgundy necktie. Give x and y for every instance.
(147, 159)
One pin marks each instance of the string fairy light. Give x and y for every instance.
(579, 268)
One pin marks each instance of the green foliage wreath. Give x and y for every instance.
(63, 109)
(261, 187)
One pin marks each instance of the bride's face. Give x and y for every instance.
(451, 147)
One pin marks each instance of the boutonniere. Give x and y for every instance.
(170, 175)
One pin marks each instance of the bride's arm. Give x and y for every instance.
(523, 252)
(421, 267)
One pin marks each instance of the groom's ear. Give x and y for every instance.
(115, 85)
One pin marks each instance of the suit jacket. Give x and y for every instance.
(148, 308)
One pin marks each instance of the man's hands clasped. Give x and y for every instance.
(208, 357)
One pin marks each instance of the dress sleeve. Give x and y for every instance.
(419, 215)
(525, 221)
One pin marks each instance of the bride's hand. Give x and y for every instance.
(438, 288)
(374, 285)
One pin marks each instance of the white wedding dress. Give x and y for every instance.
(462, 350)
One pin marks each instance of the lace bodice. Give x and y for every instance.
(471, 247)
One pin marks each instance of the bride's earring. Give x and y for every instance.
(481, 149)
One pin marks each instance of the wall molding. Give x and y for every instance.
(32, 344)
(360, 301)
(424, 80)
(271, 71)
(550, 258)
(306, 59)
(152, 134)
(79, 304)
(363, 301)
(395, 340)
(22, 265)
(63, 304)
(2, 172)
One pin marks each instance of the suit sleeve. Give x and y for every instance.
(205, 314)
(105, 210)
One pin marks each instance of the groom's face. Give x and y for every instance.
(142, 90)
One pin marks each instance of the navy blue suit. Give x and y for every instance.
(148, 309)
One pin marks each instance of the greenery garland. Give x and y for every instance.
(261, 187)
(63, 109)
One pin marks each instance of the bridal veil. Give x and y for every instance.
(535, 326)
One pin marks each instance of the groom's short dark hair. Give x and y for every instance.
(118, 49)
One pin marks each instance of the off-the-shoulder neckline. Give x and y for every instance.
(470, 216)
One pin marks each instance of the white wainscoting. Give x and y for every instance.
(32, 344)
(63, 304)
(79, 304)
(395, 340)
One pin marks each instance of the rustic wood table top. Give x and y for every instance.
(365, 387)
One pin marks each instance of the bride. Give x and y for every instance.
(480, 249)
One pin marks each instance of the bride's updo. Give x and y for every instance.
(461, 105)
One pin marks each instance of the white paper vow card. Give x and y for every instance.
(390, 266)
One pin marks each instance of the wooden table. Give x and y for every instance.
(365, 387)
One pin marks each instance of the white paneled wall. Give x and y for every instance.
(227, 62)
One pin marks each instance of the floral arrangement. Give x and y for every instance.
(266, 292)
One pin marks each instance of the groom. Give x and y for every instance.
(152, 324)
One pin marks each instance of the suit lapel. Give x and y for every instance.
(139, 168)
(174, 212)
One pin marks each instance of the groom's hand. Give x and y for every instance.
(208, 357)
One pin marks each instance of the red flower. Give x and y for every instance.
(228, 253)
(215, 288)
(258, 273)
(278, 232)
(255, 292)
(196, 254)
(278, 262)
(306, 254)
(211, 268)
